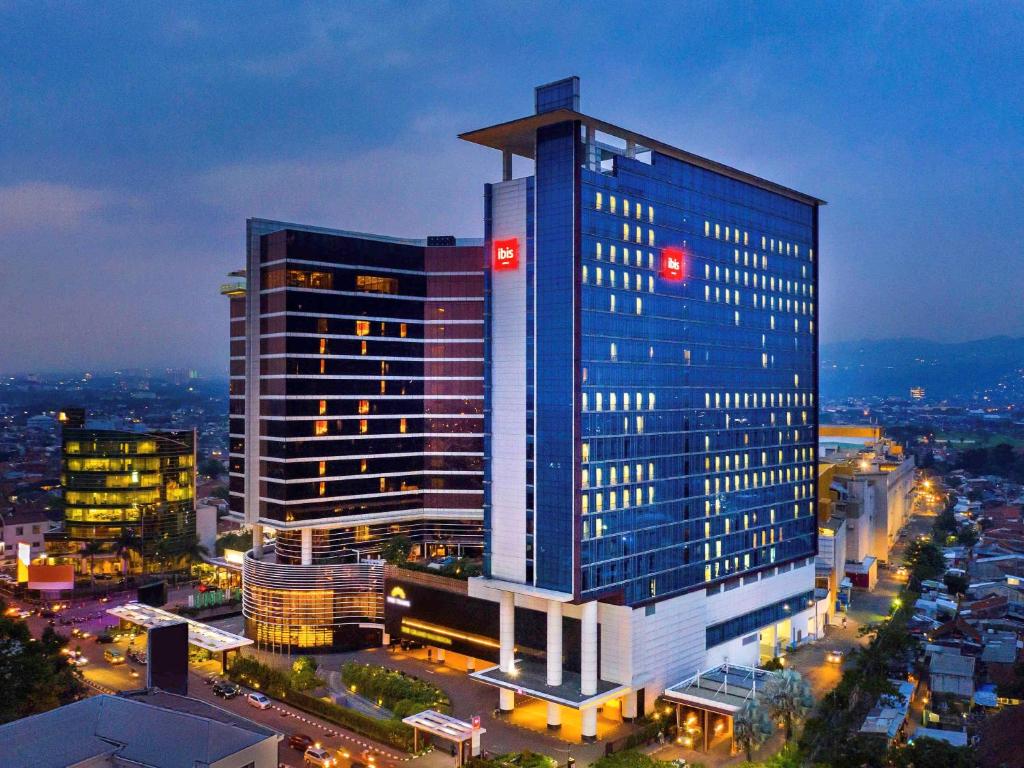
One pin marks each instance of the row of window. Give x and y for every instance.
(636, 209)
(770, 244)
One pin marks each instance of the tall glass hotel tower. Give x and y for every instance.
(650, 409)
(356, 416)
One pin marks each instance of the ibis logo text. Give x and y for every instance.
(506, 254)
(672, 263)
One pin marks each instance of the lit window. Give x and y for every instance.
(322, 468)
(585, 274)
(612, 203)
(362, 328)
(585, 451)
(718, 232)
(403, 330)
(323, 488)
(597, 251)
(323, 346)
(362, 348)
(599, 201)
(707, 229)
(402, 426)
(364, 425)
(625, 231)
(614, 351)
(625, 207)
(323, 408)
(319, 427)
(612, 305)
(650, 214)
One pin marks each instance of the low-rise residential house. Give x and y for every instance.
(950, 672)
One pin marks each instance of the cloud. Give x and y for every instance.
(398, 189)
(40, 204)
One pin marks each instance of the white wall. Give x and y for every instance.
(668, 646)
(508, 388)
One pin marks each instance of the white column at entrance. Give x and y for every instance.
(507, 640)
(554, 659)
(470, 664)
(307, 546)
(588, 724)
(629, 706)
(507, 632)
(554, 716)
(257, 541)
(588, 650)
(440, 655)
(554, 652)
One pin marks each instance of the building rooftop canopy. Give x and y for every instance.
(518, 137)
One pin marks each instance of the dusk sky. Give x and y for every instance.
(136, 138)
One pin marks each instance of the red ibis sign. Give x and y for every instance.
(506, 254)
(672, 263)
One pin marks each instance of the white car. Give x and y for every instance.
(258, 700)
(318, 757)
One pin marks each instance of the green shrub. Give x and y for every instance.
(278, 685)
(403, 694)
(630, 758)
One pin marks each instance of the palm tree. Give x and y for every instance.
(89, 551)
(788, 697)
(751, 726)
(127, 542)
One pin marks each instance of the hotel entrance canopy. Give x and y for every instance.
(200, 635)
(448, 728)
(724, 689)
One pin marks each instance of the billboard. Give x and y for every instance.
(51, 578)
(24, 558)
(167, 662)
(154, 594)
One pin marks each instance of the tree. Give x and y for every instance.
(928, 752)
(36, 675)
(788, 697)
(127, 542)
(304, 673)
(956, 584)
(751, 727)
(396, 550)
(968, 537)
(189, 549)
(925, 561)
(211, 467)
(89, 551)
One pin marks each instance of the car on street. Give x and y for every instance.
(258, 700)
(226, 690)
(112, 656)
(300, 742)
(319, 757)
(835, 655)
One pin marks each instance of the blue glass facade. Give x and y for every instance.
(671, 365)
(698, 394)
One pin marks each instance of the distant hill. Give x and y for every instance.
(890, 367)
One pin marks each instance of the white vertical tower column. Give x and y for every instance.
(588, 649)
(554, 659)
(588, 723)
(507, 641)
(257, 541)
(629, 707)
(307, 546)
(588, 669)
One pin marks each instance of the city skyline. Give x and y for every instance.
(141, 147)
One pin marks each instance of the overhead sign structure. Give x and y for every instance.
(506, 254)
(672, 263)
